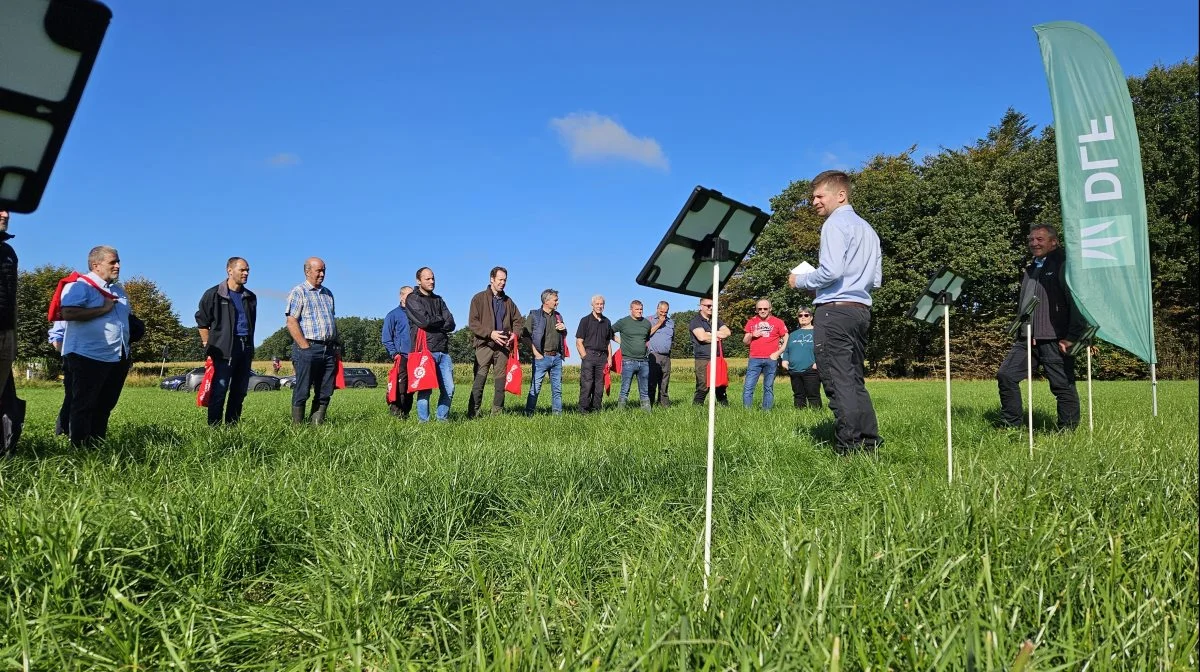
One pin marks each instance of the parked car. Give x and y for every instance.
(188, 382)
(360, 377)
(355, 377)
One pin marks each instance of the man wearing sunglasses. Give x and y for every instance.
(850, 269)
(702, 335)
(767, 337)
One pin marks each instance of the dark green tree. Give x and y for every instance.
(278, 344)
(34, 289)
(164, 332)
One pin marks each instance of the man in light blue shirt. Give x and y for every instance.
(96, 344)
(662, 337)
(850, 269)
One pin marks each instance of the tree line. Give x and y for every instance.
(968, 209)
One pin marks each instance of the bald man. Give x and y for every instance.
(311, 323)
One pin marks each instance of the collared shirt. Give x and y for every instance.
(661, 340)
(851, 264)
(104, 338)
(596, 333)
(313, 309)
(551, 339)
(498, 305)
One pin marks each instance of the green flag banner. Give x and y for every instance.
(1100, 181)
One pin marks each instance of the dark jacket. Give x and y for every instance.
(535, 328)
(1056, 316)
(8, 284)
(216, 313)
(481, 318)
(429, 312)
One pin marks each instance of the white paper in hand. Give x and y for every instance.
(803, 268)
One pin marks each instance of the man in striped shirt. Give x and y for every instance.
(311, 323)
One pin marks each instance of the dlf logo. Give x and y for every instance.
(1107, 242)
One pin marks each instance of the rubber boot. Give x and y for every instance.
(318, 415)
(297, 415)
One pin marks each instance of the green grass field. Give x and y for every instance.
(569, 543)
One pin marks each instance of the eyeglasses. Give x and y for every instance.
(762, 310)
(706, 305)
(805, 314)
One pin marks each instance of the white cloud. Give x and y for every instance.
(284, 159)
(592, 136)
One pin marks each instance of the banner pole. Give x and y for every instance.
(1154, 389)
(1029, 378)
(1089, 368)
(712, 418)
(949, 433)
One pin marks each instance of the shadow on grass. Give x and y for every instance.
(1042, 420)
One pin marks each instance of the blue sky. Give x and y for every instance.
(558, 139)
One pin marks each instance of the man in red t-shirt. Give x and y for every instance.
(767, 337)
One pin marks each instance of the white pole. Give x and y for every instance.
(1089, 367)
(1029, 378)
(1154, 389)
(712, 423)
(949, 434)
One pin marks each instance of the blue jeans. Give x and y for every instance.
(629, 369)
(230, 376)
(315, 368)
(551, 364)
(445, 378)
(764, 366)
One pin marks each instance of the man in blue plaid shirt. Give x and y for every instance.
(311, 323)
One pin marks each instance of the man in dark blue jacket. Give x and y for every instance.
(225, 319)
(396, 340)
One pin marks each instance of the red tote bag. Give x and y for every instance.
(512, 374)
(339, 373)
(422, 373)
(393, 391)
(722, 369)
(204, 389)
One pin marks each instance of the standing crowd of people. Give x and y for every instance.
(93, 329)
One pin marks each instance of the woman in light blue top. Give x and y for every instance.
(800, 363)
